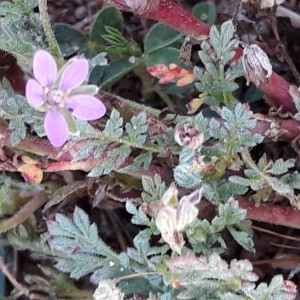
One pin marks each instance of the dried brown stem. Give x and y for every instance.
(23, 290)
(24, 213)
(12, 279)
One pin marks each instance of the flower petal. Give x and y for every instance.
(44, 68)
(86, 107)
(34, 93)
(56, 128)
(74, 74)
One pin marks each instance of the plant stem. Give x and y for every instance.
(24, 213)
(53, 45)
(23, 290)
(136, 275)
(272, 214)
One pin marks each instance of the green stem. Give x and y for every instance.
(136, 275)
(104, 137)
(53, 45)
(224, 93)
(137, 107)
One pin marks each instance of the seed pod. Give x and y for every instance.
(256, 64)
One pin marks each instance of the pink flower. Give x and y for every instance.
(61, 95)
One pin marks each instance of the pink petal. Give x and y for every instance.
(74, 74)
(56, 128)
(34, 93)
(86, 107)
(44, 68)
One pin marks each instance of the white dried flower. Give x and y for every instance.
(262, 4)
(256, 64)
(270, 3)
(107, 290)
(188, 134)
(174, 216)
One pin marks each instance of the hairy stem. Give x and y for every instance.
(53, 45)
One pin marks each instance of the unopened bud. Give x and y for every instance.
(256, 65)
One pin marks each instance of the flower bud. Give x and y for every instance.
(256, 64)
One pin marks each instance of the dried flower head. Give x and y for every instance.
(188, 134)
(62, 95)
(174, 216)
(172, 73)
(262, 4)
(107, 290)
(256, 65)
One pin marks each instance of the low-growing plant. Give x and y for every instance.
(191, 182)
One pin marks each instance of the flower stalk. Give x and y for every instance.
(53, 45)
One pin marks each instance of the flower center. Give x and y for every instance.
(56, 97)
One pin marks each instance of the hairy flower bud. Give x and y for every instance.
(256, 65)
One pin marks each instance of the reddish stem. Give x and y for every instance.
(273, 214)
(170, 13)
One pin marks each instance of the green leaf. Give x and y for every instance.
(106, 76)
(154, 188)
(137, 128)
(279, 186)
(84, 252)
(242, 238)
(114, 125)
(280, 166)
(160, 36)
(108, 16)
(206, 12)
(139, 217)
(185, 177)
(70, 40)
(164, 56)
(105, 167)
(19, 130)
